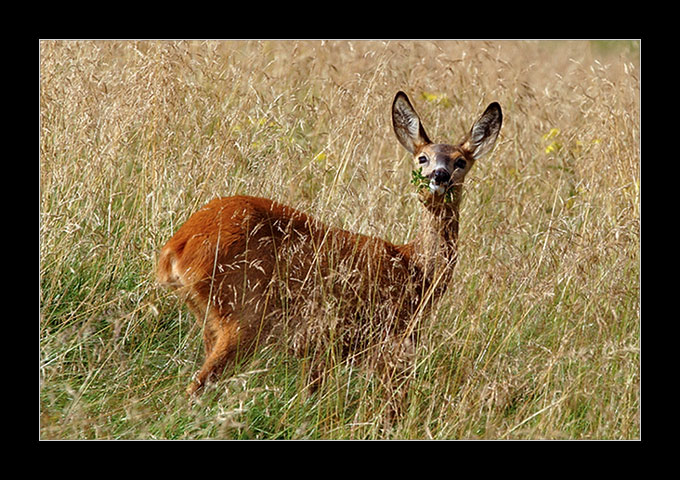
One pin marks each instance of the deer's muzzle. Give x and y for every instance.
(439, 181)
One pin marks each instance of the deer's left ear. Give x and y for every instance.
(484, 132)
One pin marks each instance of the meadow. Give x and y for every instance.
(538, 336)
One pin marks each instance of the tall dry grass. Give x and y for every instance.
(539, 335)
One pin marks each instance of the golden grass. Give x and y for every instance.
(539, 336)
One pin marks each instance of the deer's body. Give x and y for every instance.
(254, 271)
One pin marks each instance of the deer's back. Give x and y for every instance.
(257, 258)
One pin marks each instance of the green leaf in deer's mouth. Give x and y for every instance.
(419, 180)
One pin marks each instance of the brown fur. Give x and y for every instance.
(256, 272)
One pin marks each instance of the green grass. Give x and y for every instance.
(539, 334)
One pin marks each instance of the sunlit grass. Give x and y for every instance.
(538, 337)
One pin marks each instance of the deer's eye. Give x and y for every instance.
(460, 163)
(422, 159)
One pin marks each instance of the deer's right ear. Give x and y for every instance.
(407, 125)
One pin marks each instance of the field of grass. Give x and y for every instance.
(538, 336)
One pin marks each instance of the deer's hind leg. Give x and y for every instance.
(222, 346)
(202, 319)
(221, 339)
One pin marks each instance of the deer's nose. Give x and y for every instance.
(441, 175)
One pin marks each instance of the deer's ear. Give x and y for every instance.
(484, 132)
(407, 124)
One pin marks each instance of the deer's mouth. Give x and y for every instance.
(440, 180)
(438, 188)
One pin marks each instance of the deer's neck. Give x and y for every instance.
(434, 249)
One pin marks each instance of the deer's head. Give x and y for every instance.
(441, 165)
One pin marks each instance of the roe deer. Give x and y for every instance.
(254, 271)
